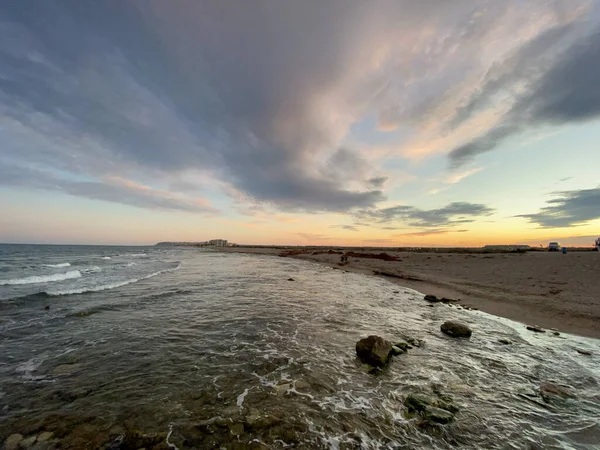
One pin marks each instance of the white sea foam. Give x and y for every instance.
(105, 287)
(58, 265)
(42, 278)
(241, 397)
(106, 257)
(91, 269)
(170, 444)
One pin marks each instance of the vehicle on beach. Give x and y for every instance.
(597, 244)
(553, 247)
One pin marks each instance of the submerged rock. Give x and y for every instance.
(584, 352)
(432, 410)
(13, 441)
(66, 369)
(374, 350)
(456, 329)
(438, 415)
(535, 328)
(418, 402)
(397, 351)
(505, 341)
(45, 436)
(27, 442)
(551, 391)
(404, 346)
(291, 279)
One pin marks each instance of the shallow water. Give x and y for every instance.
(226, 352)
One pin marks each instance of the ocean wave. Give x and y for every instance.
(91, 270)
(42, 278)
(105, 287)
(106, 257)
(58, 265)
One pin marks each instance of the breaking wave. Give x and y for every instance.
(42, 278)
(58, 265)
(104, 287)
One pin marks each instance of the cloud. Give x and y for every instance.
(429, 233)
(378, 182)
(260, 98)
(454, 178)
(313, 237)
(451, 214)
(111, 190)
(566, 92)
(345, 227)
(570, 208)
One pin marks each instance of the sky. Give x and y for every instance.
(337, 122)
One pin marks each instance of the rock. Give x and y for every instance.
(27, 442)
(12, 442)
(448, 406)
(397, 350)
(291, 279)
(237, 429)
(415, 342)
(404, 346)
(535, 328)
(584, 352)
(47, 307)
(396, 292)
(556, 333)
(437, 415)
(448, 300)
(505, 341)
(417, 402)
(551, 391)
(282, 389)
(456, 329)
(431, 298)
(45, 436)
(374, 350)
(66, 369)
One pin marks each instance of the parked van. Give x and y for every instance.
(554, 247)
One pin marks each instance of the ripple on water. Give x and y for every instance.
(227, 350)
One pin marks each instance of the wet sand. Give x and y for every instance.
(551, 290)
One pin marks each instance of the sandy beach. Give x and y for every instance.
(551, 290)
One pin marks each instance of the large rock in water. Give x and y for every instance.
(374, 350)
(456, 329)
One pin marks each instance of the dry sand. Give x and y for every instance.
(552, 290)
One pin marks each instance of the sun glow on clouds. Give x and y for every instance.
(249, 114)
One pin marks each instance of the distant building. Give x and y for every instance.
(217, 242)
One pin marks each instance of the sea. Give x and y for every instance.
(177, 348)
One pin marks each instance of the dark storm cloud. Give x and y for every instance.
(452, 214)
(570, 208)
(115, 190)
(568, 92)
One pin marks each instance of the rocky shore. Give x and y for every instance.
(551, 290)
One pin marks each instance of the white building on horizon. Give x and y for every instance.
(217, 242)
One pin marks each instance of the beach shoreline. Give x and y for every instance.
(549, 290)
